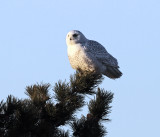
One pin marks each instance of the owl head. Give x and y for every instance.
(75, 37)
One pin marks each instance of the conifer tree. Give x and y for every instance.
(42, 114)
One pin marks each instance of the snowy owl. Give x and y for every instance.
(89, 55)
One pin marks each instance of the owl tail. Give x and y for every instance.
(113, 72)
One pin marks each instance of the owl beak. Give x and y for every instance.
(70, 38)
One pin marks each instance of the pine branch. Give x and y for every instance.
(90, 125)
(70, 97)
(39, 93)
(99, 107)
(85, 82)
(17, 117)
(85, 127)
(38, 116)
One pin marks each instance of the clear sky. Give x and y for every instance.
(33, 50)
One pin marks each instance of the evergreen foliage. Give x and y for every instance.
(41, 115)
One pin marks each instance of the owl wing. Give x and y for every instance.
(101, 54)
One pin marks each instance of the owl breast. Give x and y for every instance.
(79, 58)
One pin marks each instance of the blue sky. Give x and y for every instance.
(33, 50)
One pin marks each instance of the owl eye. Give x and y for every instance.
(75, 35)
